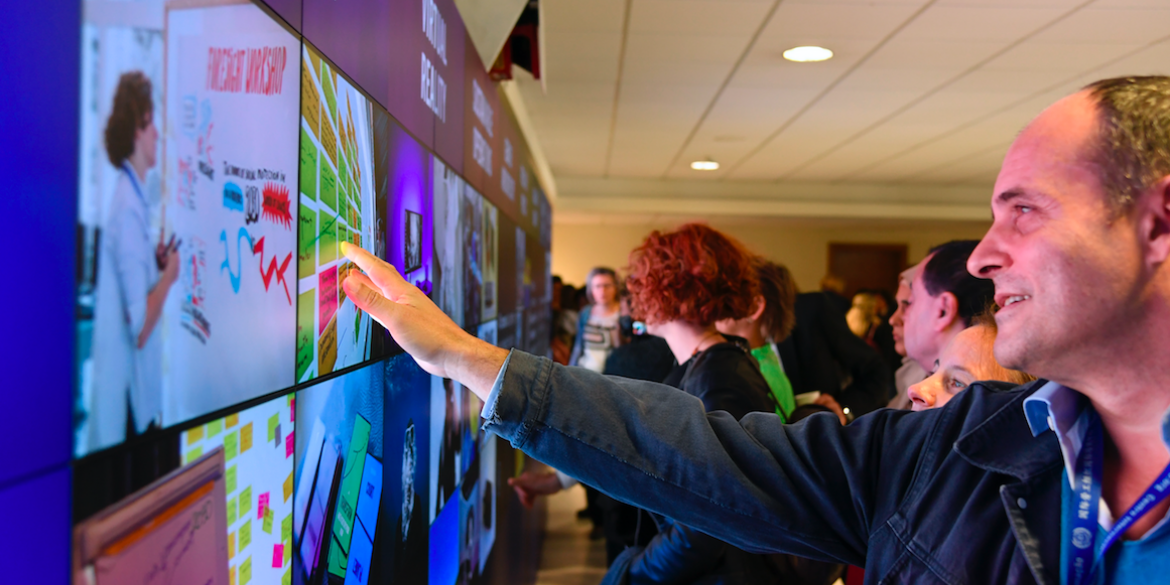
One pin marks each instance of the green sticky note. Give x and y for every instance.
(287, 578)
(245, 534)
(231, 446)
(230, 479)
(231, 511)
(214, 427)
(245, 502)
(306, 349)
(267, 525)
(193, 454)
(308, 165)
(306, 244)
(286, 528)
(328, 194)
(246, 571)
(273, 421)
(287, 550)
(327, 245)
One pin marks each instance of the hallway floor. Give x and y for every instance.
(569, 557)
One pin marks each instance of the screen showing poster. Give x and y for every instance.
(186, 293)
(338, 195)
(257, 448)
(481, 115)
(406, 490)
(339, 478)
(471, 224)
(489, 262)
(449, 129)
(411, 219)
(448, 241)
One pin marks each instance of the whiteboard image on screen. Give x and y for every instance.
(232, 97)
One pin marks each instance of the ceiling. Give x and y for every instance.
(910, 118)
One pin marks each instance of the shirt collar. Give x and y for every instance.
(1059, 409)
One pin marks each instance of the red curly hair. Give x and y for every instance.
(694, 274)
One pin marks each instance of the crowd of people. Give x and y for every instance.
(999, 419)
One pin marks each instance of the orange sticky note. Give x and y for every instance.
(231, 544)
(288, 486)
(246, 438)
(233, 420)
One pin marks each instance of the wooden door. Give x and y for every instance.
(874, 266)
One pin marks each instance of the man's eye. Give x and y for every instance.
(956, 384)
(1024, 209)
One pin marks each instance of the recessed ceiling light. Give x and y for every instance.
(705, 165)
(808, 54)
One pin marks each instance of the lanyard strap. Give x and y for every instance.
(133, 180)
(1085, 558)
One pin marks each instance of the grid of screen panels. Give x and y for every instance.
(238, 419)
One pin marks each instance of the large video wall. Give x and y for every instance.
(237, 419)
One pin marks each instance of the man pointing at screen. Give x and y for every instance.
(976, 492)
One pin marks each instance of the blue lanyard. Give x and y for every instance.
(1085, 558)
(133, 181)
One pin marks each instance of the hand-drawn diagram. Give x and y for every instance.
(337, 204)
(230, 160)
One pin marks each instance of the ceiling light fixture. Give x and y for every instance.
(705, 165)
(808, 54)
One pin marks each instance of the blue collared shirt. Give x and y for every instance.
(1058, 408)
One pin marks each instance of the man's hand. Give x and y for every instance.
(528, 485)
(438, 345)
(833, 405)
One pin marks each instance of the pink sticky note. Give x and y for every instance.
(289, 446)
(277, 556)
(263, 504)
(292, 410)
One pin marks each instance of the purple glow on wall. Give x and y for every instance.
(410, 190)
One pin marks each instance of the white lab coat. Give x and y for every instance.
(127, 271)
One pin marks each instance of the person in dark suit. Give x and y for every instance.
(823, 355)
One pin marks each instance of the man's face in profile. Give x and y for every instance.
(1064, 268)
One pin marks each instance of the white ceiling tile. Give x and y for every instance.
(1126, 26)
(700, 17)
(977, 23)
(574, 15)
(799, 22)
(1048, 56)
(903, 53)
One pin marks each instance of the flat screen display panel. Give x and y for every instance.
(258, 445)
(411, 220)
(339, 196)
(407, 488)
(449, 241)
(339, 471)
(186, 206)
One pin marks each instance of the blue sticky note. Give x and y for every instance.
(370, 494)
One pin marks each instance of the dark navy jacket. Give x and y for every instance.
(959, 494)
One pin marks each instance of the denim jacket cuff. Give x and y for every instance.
(521, 399)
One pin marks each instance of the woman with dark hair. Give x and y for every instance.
(134, 278)
(771, 320)
(680, 284)
(598, 332)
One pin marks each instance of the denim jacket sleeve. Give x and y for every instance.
(813, 489)
(677, 554)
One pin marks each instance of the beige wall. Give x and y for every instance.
(802, 245)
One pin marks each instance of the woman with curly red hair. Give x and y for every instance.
(680, 284)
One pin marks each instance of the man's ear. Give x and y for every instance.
(1154, 221)
(946, 310)
(758, 306)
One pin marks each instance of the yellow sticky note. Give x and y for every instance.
(232, 420)
(287, 550)
(231, 544)
(231, 511)
(230, 479)
(267, 525)
(246, 571)
(195, 435)
(231, 576)
(245, 502)
(286, 528)
(272, 422)
(245, 534)
(194, 454)
(246, 438)
(288, 486)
